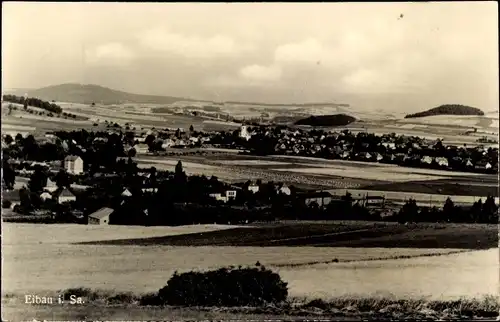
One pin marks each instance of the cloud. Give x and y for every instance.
(160, 39)
(307, 51)
(261, 73)
(109, 54)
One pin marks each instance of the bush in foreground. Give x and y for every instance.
(6, 204)
(225, 287)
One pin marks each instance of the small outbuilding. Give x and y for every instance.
(100, 217)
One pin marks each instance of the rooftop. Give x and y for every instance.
(71, 158)
(101, 213)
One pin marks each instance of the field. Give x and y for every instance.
(347, 234)
(401, 182)
(35, 262)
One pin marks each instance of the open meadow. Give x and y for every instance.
(45, 258)
(334, 174)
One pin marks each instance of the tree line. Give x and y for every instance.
(31, 101)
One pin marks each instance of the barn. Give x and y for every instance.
(100, 217)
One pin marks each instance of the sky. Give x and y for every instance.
(383, 56)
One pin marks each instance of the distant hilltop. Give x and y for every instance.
(327, 120)
(88, 94)
(289, 104)
(448, 109)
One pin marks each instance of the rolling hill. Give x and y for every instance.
(448, 109)
(87, 94)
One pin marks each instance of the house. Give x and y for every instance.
(244, 133)
(253, 187)
(141, 148)
(180, 143)
(426, 159)
(126, 193)
(100, 217)
(443, 162)
(389, 145)
(168, 143)
(284, 189)
(231, 194)
(139, 139)
(483, 165)
(100, 139)
(64, 195)
(374, 201)
(322, 198)
(73, 164)
(51, 186)
(218, 196)
(45, 195)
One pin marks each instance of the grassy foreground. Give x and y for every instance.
(101, 304)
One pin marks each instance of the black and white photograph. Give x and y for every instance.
(250, 161)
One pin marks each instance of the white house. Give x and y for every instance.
(231, 194)
(442, 162)
(45, 195)
(284, 190)
(126, 193)
(426, 159)
(389, 145)
(64, 195)
(51, 186)
(218, 196)
(345, 155)
(244, 133)
(100, 217)
(140, 139)
(73, 164)
(253, 187)
(168, 143)
(141, 148)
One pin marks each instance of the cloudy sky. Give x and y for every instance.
(408, 56)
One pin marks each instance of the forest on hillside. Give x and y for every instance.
(327, 120)
(448, 109)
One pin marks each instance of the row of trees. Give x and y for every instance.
(36, 102)
(479, 212)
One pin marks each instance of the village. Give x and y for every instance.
(93, 178)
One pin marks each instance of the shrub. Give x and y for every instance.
(6, 204)
(225, 287)
(78, 292)
(150, 299)
(121, 298)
